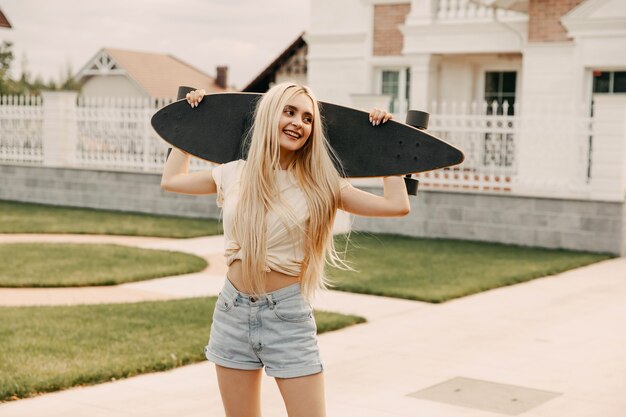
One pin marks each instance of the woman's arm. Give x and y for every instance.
(177, 179)
(395, 201)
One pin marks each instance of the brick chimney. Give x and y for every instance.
(222, 77)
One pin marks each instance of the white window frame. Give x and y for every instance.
(611, 80)
(483, 75)
(403, 102)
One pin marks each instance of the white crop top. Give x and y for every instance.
(282, 253)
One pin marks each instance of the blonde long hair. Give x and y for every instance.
(316, 175)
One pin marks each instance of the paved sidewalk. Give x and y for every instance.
(562, 334)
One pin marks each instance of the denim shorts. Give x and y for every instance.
(276, 330)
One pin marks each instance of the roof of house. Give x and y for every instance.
(159, 75)
(262, 81)
(4, 22)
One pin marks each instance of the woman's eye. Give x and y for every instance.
(308, 120)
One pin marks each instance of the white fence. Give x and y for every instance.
(545, 151)
(110, 133)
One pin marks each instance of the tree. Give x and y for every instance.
(24, 85)
(67, 81)
(6, 59)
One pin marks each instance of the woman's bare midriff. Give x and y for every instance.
(273, 280)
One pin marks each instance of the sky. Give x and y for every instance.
(245, 35)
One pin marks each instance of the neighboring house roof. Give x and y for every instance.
(4, 22)
(159, 75)
(262, 81)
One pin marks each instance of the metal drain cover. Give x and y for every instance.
(485, 395)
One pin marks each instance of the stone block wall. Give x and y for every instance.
(528, 221)
(121, 191)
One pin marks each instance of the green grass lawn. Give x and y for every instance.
(45, 349)
(438, 270)
(37, 218)
(65, 265)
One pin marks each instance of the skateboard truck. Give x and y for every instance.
(182, 93)
(419, 120)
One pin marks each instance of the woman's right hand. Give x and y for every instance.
(195, 97)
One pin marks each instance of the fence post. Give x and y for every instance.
(59, 128)
(551, 151)
(608, 153)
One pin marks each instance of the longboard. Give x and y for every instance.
(214, 131)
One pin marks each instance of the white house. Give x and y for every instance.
(122, 73)
(530, 90)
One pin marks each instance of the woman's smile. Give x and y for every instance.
(295, 124)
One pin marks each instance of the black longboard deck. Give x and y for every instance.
(214, 131)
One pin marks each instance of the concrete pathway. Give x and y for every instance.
(562, 334)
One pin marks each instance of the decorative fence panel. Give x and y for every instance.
(487, 135)
(115, 134)
(21, 129)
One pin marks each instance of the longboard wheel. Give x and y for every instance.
(182, 92)
(417, 119)
(411, 185)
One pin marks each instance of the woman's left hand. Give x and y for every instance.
(377, 116)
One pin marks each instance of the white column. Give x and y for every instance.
(552, 132)
(608, 154)
(551, 150)
(59, 128)
(423, 80)
(423, 12)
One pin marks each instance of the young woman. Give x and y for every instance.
(278, 210)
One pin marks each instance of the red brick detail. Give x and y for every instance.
(544, 19)
(388, 40)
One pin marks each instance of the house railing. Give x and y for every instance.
(552, 149)
(453, 10)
